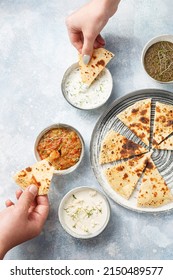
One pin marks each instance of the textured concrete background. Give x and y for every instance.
(34, 53)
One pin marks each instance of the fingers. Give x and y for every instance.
(42, 207)
(41, 211)
(8, 203)
(27, 198)
(87, 49)
(88, 45)
(76, 40)
(18, 193)
(99, 42)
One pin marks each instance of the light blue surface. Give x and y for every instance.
(34, 53)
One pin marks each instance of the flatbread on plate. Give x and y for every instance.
(167, 144)
(123, 177)
(137, 118)
(163, 122)
(99, 60)
(39, 174)
(116, 146)
(154, 191)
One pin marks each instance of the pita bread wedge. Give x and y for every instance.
(123, 177)
(167, 144)
(163, 122)
(154, 191)
(39, 174)
(137, 118)
(99, 60)
(116, 146)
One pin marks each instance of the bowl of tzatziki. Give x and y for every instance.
(84, 212)
(80, 95)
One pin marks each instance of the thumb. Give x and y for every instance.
(87, 49)
(27, 197)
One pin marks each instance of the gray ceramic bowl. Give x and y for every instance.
(60, 125)
(65, 220)
(86, 96)
(154, 40)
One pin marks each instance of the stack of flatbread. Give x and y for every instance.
(39, 174)
(99, 60)
(137, 164)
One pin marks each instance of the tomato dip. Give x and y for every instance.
(61, 146)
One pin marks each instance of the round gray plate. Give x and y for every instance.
(162, 159)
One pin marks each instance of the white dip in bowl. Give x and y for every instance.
(84, 212)
(80, 95)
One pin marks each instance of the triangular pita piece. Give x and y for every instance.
(123, 177)
(137, 118)
(154, 191)
(163, 122)
(39, 174)
(99, 60)
(116, 146)
(167, 144)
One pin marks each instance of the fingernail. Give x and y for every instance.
(86, 58)
(33, 189)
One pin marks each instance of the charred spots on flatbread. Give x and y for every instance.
(158, 109)
(120, 168)
(130, 146)
(23, 173)
(150, 165)
(143, 112)
(28, 169)
(135, 110)
(125, 176)
(144, 120)
(169, 122)
(100, 63)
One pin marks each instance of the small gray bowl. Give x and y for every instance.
(61, 213)
(154, 40)
(66, 95)
(60, 125)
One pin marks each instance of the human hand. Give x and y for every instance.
(24, 220)
(84, 25)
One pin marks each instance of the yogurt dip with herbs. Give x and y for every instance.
(85, 212)
(84, 97)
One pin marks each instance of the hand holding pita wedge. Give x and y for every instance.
(84, 25)
(22, 220)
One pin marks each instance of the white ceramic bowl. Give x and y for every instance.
(154, 40)
(60, 125)
(87, 99)
(100, 219)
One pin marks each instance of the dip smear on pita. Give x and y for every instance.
(99, 60)
(39, 174)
